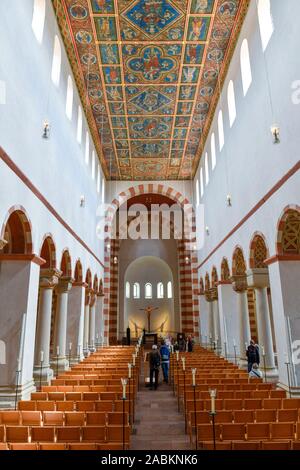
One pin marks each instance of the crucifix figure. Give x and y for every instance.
(149, 310)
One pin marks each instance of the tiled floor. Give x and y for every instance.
(158, 425)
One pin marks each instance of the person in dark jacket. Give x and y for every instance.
(252, 354)
(154, 364)
(190, 344)
(165, 359)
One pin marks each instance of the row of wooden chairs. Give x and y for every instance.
(250, 431)
(76, 396)
(60, 446)
(84, 405)
(251, 445)
(64, 434)
(242, 404)
(58, 418)
(235, 394)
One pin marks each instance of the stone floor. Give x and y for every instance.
(158, 424)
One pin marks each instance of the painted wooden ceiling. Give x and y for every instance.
(149, 73)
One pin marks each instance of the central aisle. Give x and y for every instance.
(158, 425)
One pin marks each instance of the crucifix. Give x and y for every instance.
(149, 310)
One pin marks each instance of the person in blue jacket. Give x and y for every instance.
(165, 360)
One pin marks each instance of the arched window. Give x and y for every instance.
(231, 103)
(160, 290)
(169, 289)
(197, 193)
(213, 151)
(56, 62)
(69, 102)
(265, 20)
(38, 19)
(79, 125)
(206, 169)
(201, 182)
(127, 290)
(221, 130)
(93, 164)
(87, 148)
(148, 291)
(98, 180)
(136, 290)
(103, 191)
(245, 67)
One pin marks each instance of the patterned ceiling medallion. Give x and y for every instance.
(152, 17)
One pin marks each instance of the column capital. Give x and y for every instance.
(80, 284)
(239, 283)
(207, 294)
(49, 278)
(3, 243)
(258, 278)
(214, 294)
(92, 298)
(64, 285)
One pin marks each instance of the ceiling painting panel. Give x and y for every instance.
(149, 73)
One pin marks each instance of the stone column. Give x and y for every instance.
(210, 314)
(240, 286)
(86, 351)
(92, 321)
(259, 279)
(228, 317)
(216, 318)
(60, 335)
(19, 286)
(99, 325)
(76, 320)
(48, 281)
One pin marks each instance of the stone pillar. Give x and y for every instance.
(86, 351)
(76, 320)
(60, 335)
(48, 281)
(19, 285)
(210, 314)
(259, 279)
(284, 274)
(92, 321)
(216, 319)
(228, 317)
(99, 323)
(240, 286)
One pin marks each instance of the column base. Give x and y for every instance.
(8, 394)
(43, 376)
(61, 365)
(242, 363)
(86, 353)
(92, 349)
(271, 374)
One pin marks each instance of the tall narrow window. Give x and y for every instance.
(245, 67)
(206, 169)
(221, 130)
(103, 191)
(136, 290)
(160, 290)
(213, 151)
(127, 290)
(265, 20)
(148, 291)
(79, 125)
(93, 164)
(231, 103)
(87, 148)
(38, 19)
(197, 193)
(98, 179)
(169, 289)
(69, 101)
(56, 62)
(201, 182)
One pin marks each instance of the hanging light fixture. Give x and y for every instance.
(275, 133)
(46, 130)
(229, 201)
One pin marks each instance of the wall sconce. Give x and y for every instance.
(108, 247)
(229, 203)
(207, 230)
(276, 133)
(115, 260)
(82, 201)
(187, 260)
(46, 130)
